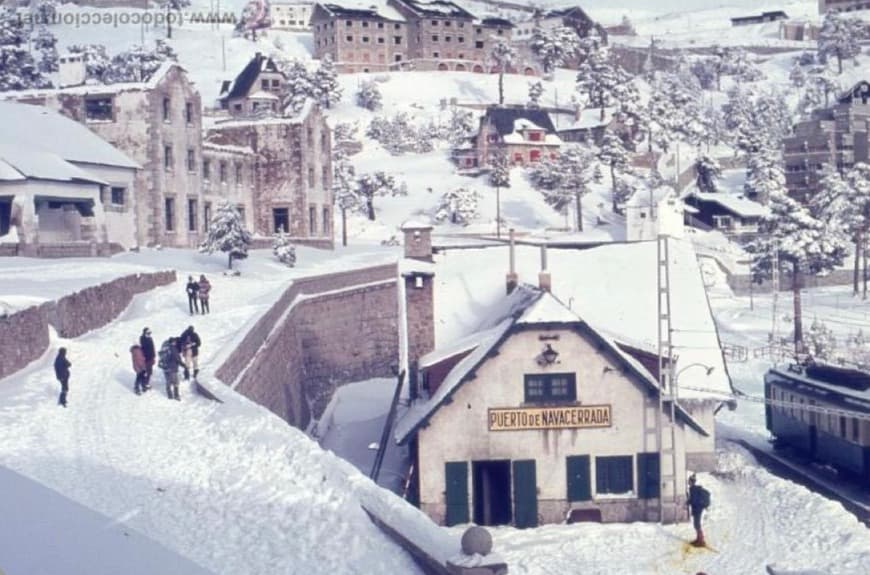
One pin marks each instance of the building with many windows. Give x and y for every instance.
(836, 136)
(290, 15)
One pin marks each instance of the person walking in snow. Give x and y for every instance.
(698, 501)
(192, 291)
(147, 345)
(189, 344)
(139, 367)
(61, 371)
(169, 361)
(204, 289)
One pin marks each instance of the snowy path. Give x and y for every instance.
(229, 486)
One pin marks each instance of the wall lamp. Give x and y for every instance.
(548, 356)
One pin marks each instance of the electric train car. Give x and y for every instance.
(823, 412)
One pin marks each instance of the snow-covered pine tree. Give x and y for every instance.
(802, 243)
(376, 184)
(840, 37)
(536, 90)
(613, 154)
(822, 344)
(138, 63)
(553, 47)
(299, 87)
(369, 96)
(499, 169)
(18, 69)
(45, 44)
(797, 76)
(327, 90)
(97, 61)
(227, 234)
(600, 80)
(284, 250)
(44, 11)
(344, 190)
(843, 202)
(458, 206)
(707, 173)
(764, 175)
(462, 126)
(858, 350)
(501, 55)
(575, 166)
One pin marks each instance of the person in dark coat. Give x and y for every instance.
(147, 345)
(189, 345)
(204, 289)
(170, 369)
(696, 507)
(61, 371)
(192, 294)
(140, 368)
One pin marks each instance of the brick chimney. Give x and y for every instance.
(419, 298)
(418, 241)
(511, 277)
(544, 279)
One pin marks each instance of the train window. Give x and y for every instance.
(856, 434)
(843, 426)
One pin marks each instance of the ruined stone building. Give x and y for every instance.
(837, 136)
(407, 35)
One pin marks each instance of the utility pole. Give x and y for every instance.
(774, 339)
(667, 385)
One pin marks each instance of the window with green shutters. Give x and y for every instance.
(648, 478)
(578, 479)
(613, 475)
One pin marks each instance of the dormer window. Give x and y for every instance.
(535, 136)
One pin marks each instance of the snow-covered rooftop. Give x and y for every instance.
(378, 8)
(27, 128)
(42, 165)
(735, 203)
(523, 125)
(647, 198)
(95, 89)
(590, 118)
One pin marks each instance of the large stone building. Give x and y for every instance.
(291, 171)
(407, 35)
(290, 14)
(62, 188)
(836, 136)
(157, 123)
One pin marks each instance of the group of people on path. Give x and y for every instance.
(175, 352)
(197, 295)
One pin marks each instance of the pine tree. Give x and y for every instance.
(327, 90)
(284, 250)
(18, 69)
(574, 174)
(536, 90)
(499, 169)
(707, 172)
(822, 342)
(226, 233)
(799, 241)
(502, 56)
(613, 154)
(841, 37)
(844, 203)
(553, 47)
(458, 206)
(299, 86)
(376, 184)
(599, 80)
(343, 187)
(369, 96)
(462, 126)
(138, 63)
(97, 61)
(45, 44)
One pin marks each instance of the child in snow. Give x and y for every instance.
(204, 289)
(140, 367)
(189, 343)
(192, 291)
(61, 371)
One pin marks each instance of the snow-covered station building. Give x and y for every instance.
(63, 189)
(540, 415)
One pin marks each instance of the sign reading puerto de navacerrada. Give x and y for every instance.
(573, 417)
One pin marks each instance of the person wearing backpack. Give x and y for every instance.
(169, 361)
(698, 501)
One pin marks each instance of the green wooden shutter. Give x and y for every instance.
(525, 494)
(648, 479)
(456, 478)
(579, 483)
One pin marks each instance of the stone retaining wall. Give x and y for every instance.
(342, 327)
(24, 334)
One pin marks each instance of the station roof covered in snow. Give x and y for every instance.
(525, 307)
(40, 143)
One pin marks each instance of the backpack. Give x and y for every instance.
(703, 497)
(164, 357)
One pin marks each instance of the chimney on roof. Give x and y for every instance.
(511, 277)
(544, 279)
(72, 70)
